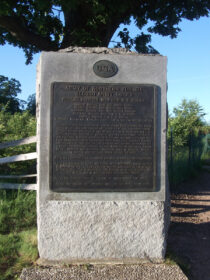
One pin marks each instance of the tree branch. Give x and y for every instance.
(15, 27)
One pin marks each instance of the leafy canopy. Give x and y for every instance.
(50, 25)
(186, 118)
(9, 101)
(9, 89)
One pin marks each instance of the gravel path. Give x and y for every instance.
(189, 234)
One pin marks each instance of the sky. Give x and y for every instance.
(188, 70)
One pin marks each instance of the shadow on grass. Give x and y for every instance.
(17, 250)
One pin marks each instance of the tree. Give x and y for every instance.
(9, 89)
(31, 104)
(50, 25)
(186, 118)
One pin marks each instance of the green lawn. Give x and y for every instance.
(18, 234)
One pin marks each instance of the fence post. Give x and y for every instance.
(190, 148)
(193, 148)
(171, 156)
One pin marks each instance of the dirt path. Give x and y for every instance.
(189, 234)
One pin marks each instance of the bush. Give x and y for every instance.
(14, 127)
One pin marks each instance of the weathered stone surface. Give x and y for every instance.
(101, 230)
(101, 50)
(109, 272)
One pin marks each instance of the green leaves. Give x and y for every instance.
(141, 44)
(9, 89)
(36, 25)
(187, 117)
(126, 40)
(14, 127)
(17, 126)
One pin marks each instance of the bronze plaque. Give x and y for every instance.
(103, 137)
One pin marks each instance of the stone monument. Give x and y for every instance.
(102, 178)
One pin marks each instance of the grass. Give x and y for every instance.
(17, 210)
(18, 243)
(17, 250)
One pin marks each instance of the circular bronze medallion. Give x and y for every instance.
(105, 68)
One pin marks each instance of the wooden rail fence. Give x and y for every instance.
(16, 158)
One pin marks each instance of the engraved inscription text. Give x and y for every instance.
(103, 138)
